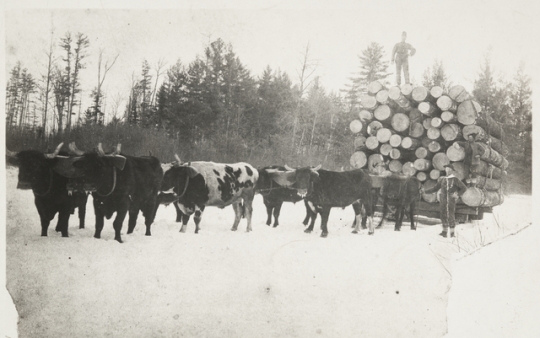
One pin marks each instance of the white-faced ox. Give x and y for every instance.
(324, 189)
(197, 185)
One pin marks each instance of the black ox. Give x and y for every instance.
(324, 189)
(47, 176)
(274, 194)
(120, 183)
(403, 193)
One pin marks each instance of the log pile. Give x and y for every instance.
(417, 131)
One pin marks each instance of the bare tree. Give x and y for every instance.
(98, 95)
(48, 83)
(160, 65)
(80, 45)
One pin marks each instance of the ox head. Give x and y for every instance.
(301, 179)
(176, 179)
(96, 166)
(36, 167)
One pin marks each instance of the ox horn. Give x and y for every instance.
(10, 153)
(288, 168)
(178, 161)
(56, 151)
(317, 167)
(75, 150)
(100, 150)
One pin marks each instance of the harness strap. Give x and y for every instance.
(114, 185)
(50, 185)
(185, 187)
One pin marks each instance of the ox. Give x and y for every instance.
(120, 183)
(47, 176)
(197, 185)
(274, 195)
(403, 193)
(326, 189)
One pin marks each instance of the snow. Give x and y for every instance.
(271, 282)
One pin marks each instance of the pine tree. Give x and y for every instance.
(436, 76)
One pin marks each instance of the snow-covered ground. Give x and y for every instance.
(272, 282)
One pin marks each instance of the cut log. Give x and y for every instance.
(360, 142)
(409, 143)
(421, 94)
(395, 140)
(489, 155)
(408, 169)
(475, 197)
(439, 161)
(467, 112)
(372, 143)
(460, 171)
(385, 149)
(436, 122)
(485, 183)
(422, 164)
(383, 135)
(427, 108)
(368, 102)
(356, 126)
(395, 166)
(421, 176)
(421, 152)
(436, 91)
(430, 198)
(416, 130)
(426, 123)
(400, 122)
(358, 159)
(395, 95)
(434, 147)
(433, 133)
(365, 115)
(382, 96)
(448, 117)
(455, 153)
(415, 115)
(451, 132)
(374, 87)
(407, 89)
(383, 113)
(492, 127)
(425, 142)
(482, 168)
(446, 103)
(434, 174)
(373, 127)
(376, 164)
(482, 136)
(458, 93)
(395, 154)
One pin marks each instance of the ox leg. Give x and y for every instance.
(411, 215)
(399, 217)
(248, 209)
(197, 219)
(63, 222)
(325, 213)
(309, 213)
(384, 211)
(98, 210)
(150, 215)
(44, 226)
(133, 215)
(269, 209)
(117, 224)
(237, 215)
(357, 217)
(82, 199)
(277, 210)
(179, 214)
(310, 208)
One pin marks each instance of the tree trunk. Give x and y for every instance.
(383, 113)
(395, 95)
(383, 135)
(475, 197)
(436, 92)
(400, 122)
(421, 94)
(416, 130)
(439, 161)
(451, 132)
(445, 103)
(358, 159)
(467, 112)
(459, 94)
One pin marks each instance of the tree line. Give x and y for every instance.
(216, 108)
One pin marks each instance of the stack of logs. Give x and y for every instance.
(416, 131)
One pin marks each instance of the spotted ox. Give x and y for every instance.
(196, 185)
(47, 175)
(326, 189)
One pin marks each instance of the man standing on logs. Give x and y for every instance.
(400, 55)
(451, 188)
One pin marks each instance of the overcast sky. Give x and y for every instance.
(275, 33)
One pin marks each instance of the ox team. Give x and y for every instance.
(128, 184)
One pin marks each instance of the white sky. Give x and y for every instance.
(275, 33)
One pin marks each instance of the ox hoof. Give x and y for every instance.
(324, 234)
(355, 231)
(119, 240)
(182, 230)
(307, 231)
(371, 233)
(65, 235)
(233, 229)
(97, 236)
(397, 229)
(81, 226)
(413, 228)
(148, 234)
